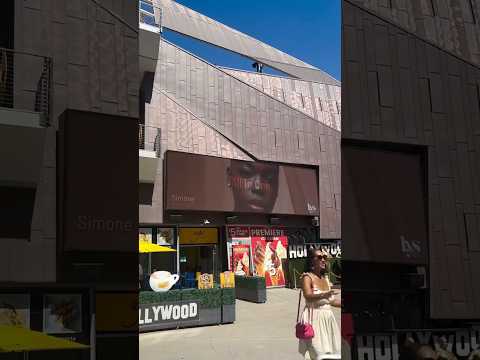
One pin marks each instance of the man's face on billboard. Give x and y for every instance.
(254, 186)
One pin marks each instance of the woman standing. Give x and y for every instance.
(319, 297)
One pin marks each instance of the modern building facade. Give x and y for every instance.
(80, 56)
(411, 79)
(195, 112)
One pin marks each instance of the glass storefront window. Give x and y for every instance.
(165, 236)
(157, 261)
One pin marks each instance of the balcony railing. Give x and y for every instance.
(26, 82)
(149, 138)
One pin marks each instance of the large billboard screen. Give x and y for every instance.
(98, 182)
(197, 182)
(383, 205)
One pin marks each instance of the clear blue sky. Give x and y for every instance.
(306, 29)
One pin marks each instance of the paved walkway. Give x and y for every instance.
(261, 331)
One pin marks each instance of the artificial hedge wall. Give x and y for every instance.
(208, 298)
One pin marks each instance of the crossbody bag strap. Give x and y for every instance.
(299, 299)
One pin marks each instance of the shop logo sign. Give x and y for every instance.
(151, 314)
(386, 346)
(410, 248)
(301, 251)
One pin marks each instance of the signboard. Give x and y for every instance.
(145, 234)
(267, 259)
(92, 215)
(198, 182)
(15, 310)
(384, 221)
(227, 279)
(299, 251)
(387, 346)
(155, 314)
(205, 281)
(241, 260)
(190, 236)
(62, 313)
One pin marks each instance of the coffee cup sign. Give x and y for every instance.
(161, 281)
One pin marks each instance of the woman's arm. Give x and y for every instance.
(336, 302)
(307, 288)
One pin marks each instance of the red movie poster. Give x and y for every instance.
(268, 254)
(241, 260)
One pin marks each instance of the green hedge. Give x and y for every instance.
(250, 282)
(151, 297)
(207, 298)
(228, 296)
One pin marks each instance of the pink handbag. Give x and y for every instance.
(303, 330)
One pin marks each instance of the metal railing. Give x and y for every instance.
(26, 82)
(149, 138)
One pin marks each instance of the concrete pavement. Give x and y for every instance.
(261, 331)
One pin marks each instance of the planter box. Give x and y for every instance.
(192, 307)
(228, 305)
(251, 288)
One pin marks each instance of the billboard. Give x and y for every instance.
(384, 204)
(197, 182)
(97, 182)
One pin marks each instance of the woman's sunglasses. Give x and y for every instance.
(321, 257)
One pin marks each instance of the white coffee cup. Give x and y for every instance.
(162, 280)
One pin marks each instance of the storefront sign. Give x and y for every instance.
(227, 279)
(296, 251)
(197, 182)
(238, 231)
(386, 346)
(151, 314)
(205, 281)
(198, 236)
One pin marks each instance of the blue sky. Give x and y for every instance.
(308, 30)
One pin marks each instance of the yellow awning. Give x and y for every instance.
(146, 247)
(20, 339)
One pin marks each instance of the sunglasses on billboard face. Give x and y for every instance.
(321, 257)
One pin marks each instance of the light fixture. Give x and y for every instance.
(206, 222)
(274, 221)
(231, 219)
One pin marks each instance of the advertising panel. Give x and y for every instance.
(241, 260)
(62, 313)
(384, 192)
(91, 176)
(263, 249)
(197, 182)
(267, 259)
(198, 236)
(15, 310)
(205, 281)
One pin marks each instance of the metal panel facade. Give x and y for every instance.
(229, 110)
(409, 92)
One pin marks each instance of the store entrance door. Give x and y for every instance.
(197, 258)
